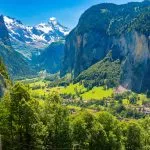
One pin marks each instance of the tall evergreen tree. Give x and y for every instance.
(20, 120)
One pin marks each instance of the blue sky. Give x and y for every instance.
(32, 12)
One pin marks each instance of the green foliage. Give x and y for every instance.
(111, 19)
(57, 124)
(81, 128)
(46, 124)
(16, 64)
(4, 78)
(142, 23)
(112, 128)
(26, 124)
(134, 137)
(61, 82)
(18, 132)
(146, 139)
(97, 93)
(3, 70)
(105, 72)
(98, 137)
(74, 89)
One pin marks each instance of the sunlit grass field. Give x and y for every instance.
(97, 93)
(77, 91)
(41, 83)
(73, 89)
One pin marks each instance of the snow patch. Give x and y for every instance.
(38, 36)
(8, 20)
(44, 27)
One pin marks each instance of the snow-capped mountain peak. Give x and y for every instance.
(53, 20)
(8, 20)
(38, 36)
(44, 27)
(11, 21)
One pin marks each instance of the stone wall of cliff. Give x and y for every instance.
(124, 29)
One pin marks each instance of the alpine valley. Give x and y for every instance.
(82, 89)
(31, 43)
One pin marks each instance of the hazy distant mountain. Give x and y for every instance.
(51, 58)
(29, 40)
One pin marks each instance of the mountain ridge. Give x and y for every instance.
(29, 40)
(15, 63)
(123, 29)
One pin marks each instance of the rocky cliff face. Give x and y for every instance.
(124, 29)
(4, 37)
(133, 48)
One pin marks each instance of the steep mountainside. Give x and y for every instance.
(123, 29)
(30, 40)
(4, 79)
(15, 62)
(106, 72)
(51, 58)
